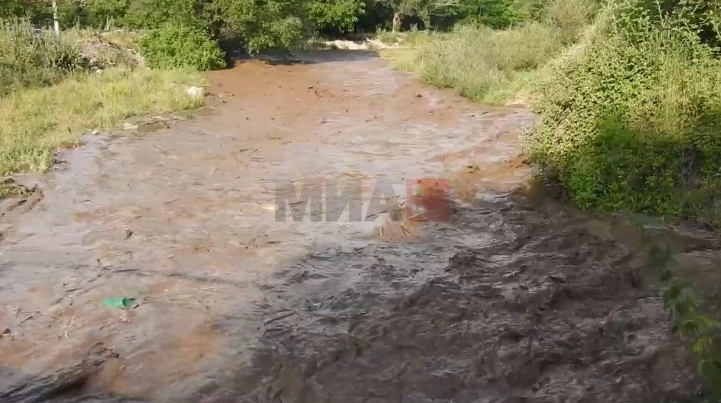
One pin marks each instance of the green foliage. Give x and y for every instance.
(33, 59)
(693, 318)
(630, 121)
(336, 16)
(277, 24)
(697, 17)
(36, 12)
(570, 16)
(483, 64)
(496, 14)
(377, 15)
(102, 13)
(182, 46)
(499, 66)
(150, 14)
(272, 24)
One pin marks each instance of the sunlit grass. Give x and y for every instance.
(34, 122)
(494, 67)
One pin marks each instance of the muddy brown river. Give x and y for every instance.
(514, 299)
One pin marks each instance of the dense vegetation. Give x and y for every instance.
(54, 88)
(631, 120)
(493, 65)
(273, 24)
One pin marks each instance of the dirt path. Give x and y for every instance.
(511, 301)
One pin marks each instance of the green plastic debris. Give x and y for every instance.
(122, 302)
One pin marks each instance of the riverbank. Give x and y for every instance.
(53, 90)
(627, 123)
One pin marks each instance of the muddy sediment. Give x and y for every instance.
(512, 300)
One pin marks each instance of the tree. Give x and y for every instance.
(37, 11)
(496, 14)
(272, 24)
(335, 16)
(102, 12)
(56, 21)
(424, 9)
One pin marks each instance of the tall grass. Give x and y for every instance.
(49, 98)
(494, 66)
(483, 64)
(30, 58)
(36, 121)
(569, 16)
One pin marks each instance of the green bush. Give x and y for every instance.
(630, 122)
(104, 13)
(182, 46)
(335, 16)
(152, 14)
(276, 24)
(30, 58)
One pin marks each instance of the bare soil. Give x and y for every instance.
(515, 299)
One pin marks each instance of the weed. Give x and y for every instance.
(32, 58)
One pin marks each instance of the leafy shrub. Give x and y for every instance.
(335, 16)
(151, 14)
(276, 24)
(30, 58)
(377, 15)
(182, 46)
(631, 121)
(102, 13)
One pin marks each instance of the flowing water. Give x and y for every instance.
(514, 299)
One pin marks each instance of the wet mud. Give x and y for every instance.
(514, 299)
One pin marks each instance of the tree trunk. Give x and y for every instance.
(56, 22)
(397, 19)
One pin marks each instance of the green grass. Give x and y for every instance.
(494, 67)
(49, 95)
(34, 122)
(28, 60)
